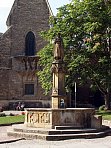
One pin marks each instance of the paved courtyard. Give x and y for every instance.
(8, 142)
(78, 143)
(74, 143)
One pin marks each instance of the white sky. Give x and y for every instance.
(5, 6)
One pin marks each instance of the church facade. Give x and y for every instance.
(18, 52)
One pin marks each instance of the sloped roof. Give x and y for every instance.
(14, 6)
(51, 13)
(11, 11)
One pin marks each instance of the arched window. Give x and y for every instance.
(30, 44)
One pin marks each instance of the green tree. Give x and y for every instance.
(85, 26)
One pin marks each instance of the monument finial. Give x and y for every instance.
(58, 38)
(58, 49)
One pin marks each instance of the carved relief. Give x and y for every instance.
(55, 91)
(30, 63)
(38, 117)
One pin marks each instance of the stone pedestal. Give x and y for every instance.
(57, 101)
(58, 89)
(58, 70)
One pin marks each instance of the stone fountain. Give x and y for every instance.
(58, 115)
(59, 122)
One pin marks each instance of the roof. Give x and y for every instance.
(11, 11)
(49, 7)
(14, 6)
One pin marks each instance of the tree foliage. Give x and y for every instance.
(85, 26)
(44, 72)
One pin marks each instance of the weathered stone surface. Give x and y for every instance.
(49, 118)
(59, 99)
(25, 16)
(96, 121)
(57, 134)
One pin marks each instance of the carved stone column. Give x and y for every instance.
(58, 70)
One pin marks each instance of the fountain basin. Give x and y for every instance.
(50, 118)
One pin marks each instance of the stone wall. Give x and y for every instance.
(25, 16)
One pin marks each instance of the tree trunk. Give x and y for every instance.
(107, 101)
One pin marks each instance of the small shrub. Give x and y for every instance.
(11, 114)
(2, 115)
(102, 108)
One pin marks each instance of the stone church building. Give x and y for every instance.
(18, 53)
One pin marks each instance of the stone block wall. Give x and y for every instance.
(25, 16)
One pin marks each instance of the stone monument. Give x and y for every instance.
(59, 114)
(59, 122)
(58, 70)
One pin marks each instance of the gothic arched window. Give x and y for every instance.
(30, 44)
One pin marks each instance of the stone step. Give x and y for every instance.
(76, 136)
(79, 128)
(26, 135)
(57, 137)
(23, 129)
(67, 127)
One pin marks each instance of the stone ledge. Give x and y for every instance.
(106, 122)
(50, 109)
(65, 135)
